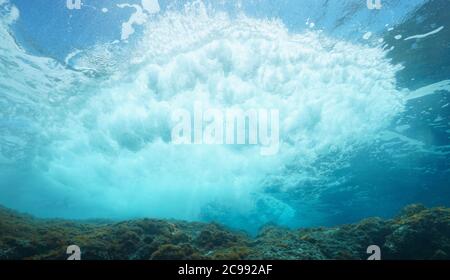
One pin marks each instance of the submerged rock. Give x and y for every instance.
(417, 233)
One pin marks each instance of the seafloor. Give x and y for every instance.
(416, 233)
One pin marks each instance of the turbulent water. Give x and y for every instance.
(363, 98)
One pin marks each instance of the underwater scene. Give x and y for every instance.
(215, 129)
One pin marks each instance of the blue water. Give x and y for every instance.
(86, 96)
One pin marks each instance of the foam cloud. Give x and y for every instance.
(110, 154)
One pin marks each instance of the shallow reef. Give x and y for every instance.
(416, 233)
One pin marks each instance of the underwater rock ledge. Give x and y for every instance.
(416, 233)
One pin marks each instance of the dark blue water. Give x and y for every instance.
(86, 97)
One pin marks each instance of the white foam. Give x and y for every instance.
(151, 6)
(421, 36)
(331, 95)
(429, 89)
(137, 18)
(110, 152)
(10, 14)
(367, 35)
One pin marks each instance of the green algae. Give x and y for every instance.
(416, 233)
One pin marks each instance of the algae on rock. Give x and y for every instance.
(417, 233)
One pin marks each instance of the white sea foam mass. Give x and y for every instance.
(107, 151)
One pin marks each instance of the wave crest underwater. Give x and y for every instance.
(98, 145)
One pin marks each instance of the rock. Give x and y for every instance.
(175, 252)
(420, 233)
(417, 233)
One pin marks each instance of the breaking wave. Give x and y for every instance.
(91, 138)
